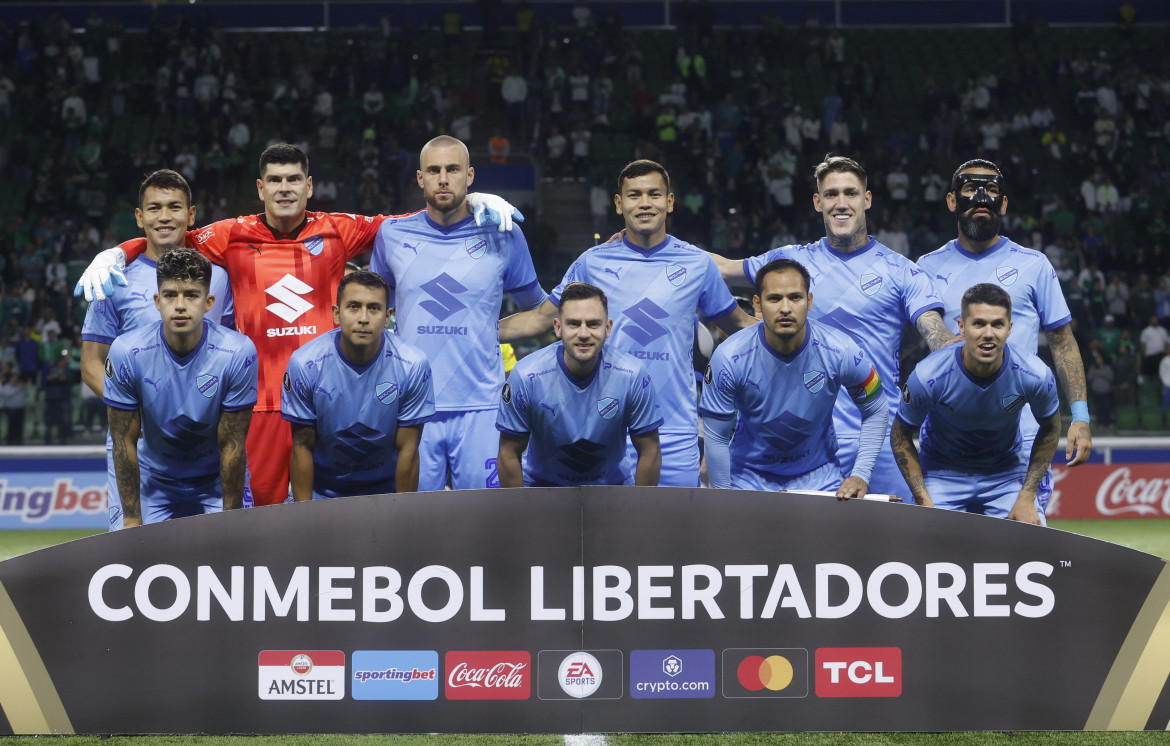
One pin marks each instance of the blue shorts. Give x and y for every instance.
(466, 444)
(680, 460)
(824, 477)
(984, 494)
(886, 478)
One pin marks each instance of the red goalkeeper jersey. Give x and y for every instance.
(284, 286)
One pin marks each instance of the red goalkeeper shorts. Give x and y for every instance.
(269, 448)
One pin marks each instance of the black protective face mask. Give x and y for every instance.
(981, 229)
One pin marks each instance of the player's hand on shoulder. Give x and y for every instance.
(490, 209)
(99, 279)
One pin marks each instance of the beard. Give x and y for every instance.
(980, 229)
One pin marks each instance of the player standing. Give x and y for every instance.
(775, 386)
(283, 265)
(357, 398)
(448, 276)
(572, 404)
(980, 254)
(968, 399)
(658, 282)
(871, 293)
(190, 385)
(164, 213)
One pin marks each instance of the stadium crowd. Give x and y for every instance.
(739, 116)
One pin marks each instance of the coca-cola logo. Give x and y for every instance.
(481, 674)
(1121, 494)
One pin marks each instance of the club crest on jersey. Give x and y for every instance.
(476, 247)
(607, 407)
(207, 385)
(315, 245)
(1007, 275)
(870, 283)
(676, 274)
(814, 381)
(1012, 402)
(386, 392)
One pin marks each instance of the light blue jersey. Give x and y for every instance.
(448, 283)
(1027, 276)
(179, 402)
(130, 308)
(782, 405)
(356, 410)
(577, 428)
(969, 424)
(871, 294)
(653, 296)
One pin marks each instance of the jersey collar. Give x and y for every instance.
(291, 235)
(984, 383)
(359, 369)
(991, 250)
(190, 355)
(784, 358)
(445, 229)
(652, 250)
(578, 382)
(847, 255)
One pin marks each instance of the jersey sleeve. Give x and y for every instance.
(296, 395)
(520, 275)
(357, 232)
(718, 398)
(101, 322)
(754, 264)
(120, 389)
(920, 294)
(859, 376)
(512, 416)
(380, 261)
(228, 318)
(213, 240)
(1043, 398)
(578, 272)
(242, 375)
(645, 412)
(418, 401)
(915, 403)
(136, 247)
(715, 299)
(1050, 302)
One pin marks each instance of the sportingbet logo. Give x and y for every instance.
(642, 326)
(288, 291)
(302, 674)
(478, 674)
(395, 674)
(24, 499)
(859, 672)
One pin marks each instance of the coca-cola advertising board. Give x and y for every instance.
(1111, 491)
(584, 610)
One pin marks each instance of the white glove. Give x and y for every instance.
(102, 274)
(490, 209)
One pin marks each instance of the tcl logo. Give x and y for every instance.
(478, 674)
(859, 672)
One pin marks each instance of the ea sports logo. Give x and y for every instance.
(301, 664)
(757, 672)
(579, 675)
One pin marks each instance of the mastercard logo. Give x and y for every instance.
(765, 672)
(773, 673)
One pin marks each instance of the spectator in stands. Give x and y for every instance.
(1100, 376)
(12, 402)
(1164, 376)
(1109, 337)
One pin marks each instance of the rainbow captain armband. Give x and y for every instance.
(867, 389)
(1080, 411)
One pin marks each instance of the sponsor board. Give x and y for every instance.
(1110, 491)
(765, 672)
(672, 674)
(488, 674)
(54, 493)
(579, 674)
(301, 674)
(395, 674)
(859, 672)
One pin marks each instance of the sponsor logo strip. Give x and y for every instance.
(765, 672)
(579, 674)
(488, 674)
(672, 674)
(302, 674)
(859, 672)
(395, 674)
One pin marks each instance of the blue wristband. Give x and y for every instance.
(1080, 411)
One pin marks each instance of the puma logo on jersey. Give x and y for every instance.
(254, 246)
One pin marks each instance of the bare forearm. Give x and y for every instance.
(1043, 449)
(511, 473)
(124, 434)
(301, 464)
(93, 365)
(527, 324)
(906, 455)
(1067, 363)
(232, 434)
(649, 461)
(934, 332)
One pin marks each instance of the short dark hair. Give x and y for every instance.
(988, 294)
(642, 167)
(839, 164)
(583, 291)
(184, 265)
(779, 265)
(164, 178)
(366, 278)
(283, 153)
(973, 163)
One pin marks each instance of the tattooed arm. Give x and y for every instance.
(1043, 449)
(934, 332)
(232, 432)
(1070, 371)
(124, 425)
(902, 443)
(304, 439)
